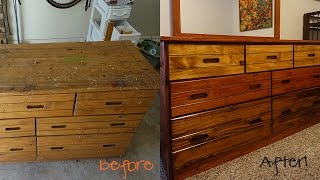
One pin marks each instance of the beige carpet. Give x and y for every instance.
(304, 143)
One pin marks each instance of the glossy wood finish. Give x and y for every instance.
(218, 124)
(268, 57)
(291, 80)
(196, 61)
(204, 94)
(306, 55)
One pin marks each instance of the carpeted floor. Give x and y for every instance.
(305, 143)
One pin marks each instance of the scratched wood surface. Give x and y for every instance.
(74, 67)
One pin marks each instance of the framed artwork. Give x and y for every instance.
(255, 14)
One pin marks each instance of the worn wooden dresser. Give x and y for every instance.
(72, 100)
(223, 99)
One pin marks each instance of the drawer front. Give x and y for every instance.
(198, 95)
(287, 105)
(306, 55)
(36, 106)
(88, 124)
(18, 149)
(201, 152)
(268, 57)
(118, 13)
(219, 124)
(296, 121)
(286, 81)
(196, 61)
(17, 128)
(122, 102)
(80, 146)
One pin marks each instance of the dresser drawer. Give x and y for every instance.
(88, 124)
(187, 157)
(218, 124)
(82, 146)
(36, 106)
(285, 105)
(198, 60)
(306, 55)
(268, 57)
(286, 81)
(198, 95)
(120, 102)
(18, 149)
(17, 127)
(118, 13)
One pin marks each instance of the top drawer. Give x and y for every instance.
(268, 57)
(306, 55)
(36, 106)
(197, 60)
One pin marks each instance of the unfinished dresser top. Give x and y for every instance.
(74, 67)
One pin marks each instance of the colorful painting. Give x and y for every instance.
(255, 14)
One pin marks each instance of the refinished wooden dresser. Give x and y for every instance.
(72, 100)
(222, 99)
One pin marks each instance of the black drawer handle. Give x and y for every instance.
(255, 86)
(17, 149)
(35, 107)
(199, 138)
(272, 57)
(315, 103)
(118, 124)
(56, 148)
(211, 60)
(198, 96)
(256, 121)
(287, 81)
(113, 103)
(59, 126)
(109, 145)
(286, 112)
(312, 55)
(316, 76)
(12, 129)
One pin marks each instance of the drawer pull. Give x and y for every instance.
(199, 138)
(56, 148)
(57, 127)
(316, 76)
(17, 149)
(198, 96)
(255, 86)
(312, 55)
(287, 81)
(241, 62)
(272, 57)
(211, 60)
(113, 103)
(12, 129)
(315, 103)
(109, 145)
(35, 107)
(286, 112)
(118, 124)
(256, 121)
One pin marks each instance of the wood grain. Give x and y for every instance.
(306, 55)
(18, 149)
(17, 128)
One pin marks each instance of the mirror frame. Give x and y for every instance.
(176, 25)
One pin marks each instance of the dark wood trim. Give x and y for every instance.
(165, 114)
(176, 25)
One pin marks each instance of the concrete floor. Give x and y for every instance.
(145, 146)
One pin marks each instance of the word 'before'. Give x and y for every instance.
(286, 162)
(126, 166)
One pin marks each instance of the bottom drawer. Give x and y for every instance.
(201, 152)
(82, 146)
(18, 149)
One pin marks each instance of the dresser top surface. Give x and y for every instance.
(74, 67)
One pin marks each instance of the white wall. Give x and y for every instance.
(165, 18)
(292, 17)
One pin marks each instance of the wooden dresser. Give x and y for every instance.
(224, 99)
(72, 100)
